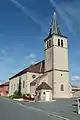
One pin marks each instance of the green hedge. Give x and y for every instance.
(15, 95)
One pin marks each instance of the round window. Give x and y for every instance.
(44, 93)
(33, 76)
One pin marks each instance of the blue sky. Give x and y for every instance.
(23, 26)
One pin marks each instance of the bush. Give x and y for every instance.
(16, 95)
(11, 97)
(19, 87)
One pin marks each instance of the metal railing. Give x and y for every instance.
(76, 105)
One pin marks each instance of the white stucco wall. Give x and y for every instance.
(30, 79)
(48, 59)
(59, 55)
(15, 81)
(43, 79)
(58, 80)
(39, 81)
(43, 96)
(50, 78)
(55, 41)
(32, 89)
(60, 58)
(12, 89)
(24, 78)
(27, 77)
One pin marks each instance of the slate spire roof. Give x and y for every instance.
(54, 27)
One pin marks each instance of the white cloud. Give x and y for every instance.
(30, 56)
(33, 62)
(3, 51)
(64, 16)
(31, 59)
(75, 78)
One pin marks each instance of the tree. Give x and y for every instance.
(19, 87)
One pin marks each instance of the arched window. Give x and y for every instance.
(61, 43)
(49, 43)
(62, 87)
(33, 76)
(44, 93)
(58, 42)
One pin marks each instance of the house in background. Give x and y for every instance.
(49, 78)
(4, 89)
(75, 91)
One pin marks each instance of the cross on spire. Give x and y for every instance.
(54, 28)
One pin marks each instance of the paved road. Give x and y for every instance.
(59, 110)
(10, 110)
(62, 107)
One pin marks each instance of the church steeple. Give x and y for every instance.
(54, 28)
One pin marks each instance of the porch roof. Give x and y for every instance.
(44, 85)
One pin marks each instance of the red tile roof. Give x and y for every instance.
(44, 85)
(5, 84)
(36, 68)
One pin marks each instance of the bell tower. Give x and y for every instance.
(56, 60)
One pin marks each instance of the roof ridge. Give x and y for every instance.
(28, 69)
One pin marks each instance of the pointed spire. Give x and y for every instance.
(54, 28)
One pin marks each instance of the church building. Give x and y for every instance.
(48, 79)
